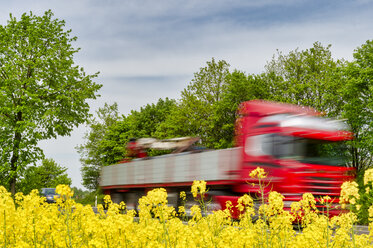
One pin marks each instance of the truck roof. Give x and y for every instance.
(265, 108)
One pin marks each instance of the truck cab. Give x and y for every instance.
(301, 151)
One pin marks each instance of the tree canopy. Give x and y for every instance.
(356, 93)
(308, 78)
(195, 112)
(207, 107)
(91, 156)
(43, 93)
(337, 88)
(48, 175)
(108, 135)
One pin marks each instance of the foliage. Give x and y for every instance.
(142, 123)
(362, 205)
(86, 197)
(195, 113)
(90, 153)
(336, 88)
(108, 135)
(307, 78)
(43, 94)
(358, 104)
(48, 175)
(240, 88)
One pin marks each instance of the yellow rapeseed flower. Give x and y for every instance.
(368, 176)
(276, 203)
(258, 173)
(28, 221)
(182, 195)
(244, 202)
(198, 187)
(181, 210)
(196, 212)
(325, 200)
(349, 193)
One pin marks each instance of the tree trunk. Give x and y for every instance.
(15, 157)
(355, 158)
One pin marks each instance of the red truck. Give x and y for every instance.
(300, 150)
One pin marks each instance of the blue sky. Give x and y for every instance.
(146, 50)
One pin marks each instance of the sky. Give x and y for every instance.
(146, 50)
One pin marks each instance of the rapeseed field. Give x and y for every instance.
(28, 221)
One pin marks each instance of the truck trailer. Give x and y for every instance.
(301, 151)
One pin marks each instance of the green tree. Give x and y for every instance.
(107, 138)
(195, 113)
(144, 123)
(208, 106)
(240, 88)
(48, 175)
(338, 88)
(138, 124)
(88, 197)
(356, 93)
(307, 78)
(43, 93)
(90, 153)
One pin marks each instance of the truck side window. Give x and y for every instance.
(283, 146)
(275, 145)
(259, 145)
(267, 144)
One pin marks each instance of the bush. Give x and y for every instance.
(365, 181)
(88, 197)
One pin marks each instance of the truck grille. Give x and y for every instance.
(328, 185)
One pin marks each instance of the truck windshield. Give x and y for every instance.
(310, 150)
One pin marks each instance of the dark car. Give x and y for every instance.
(50, 194)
